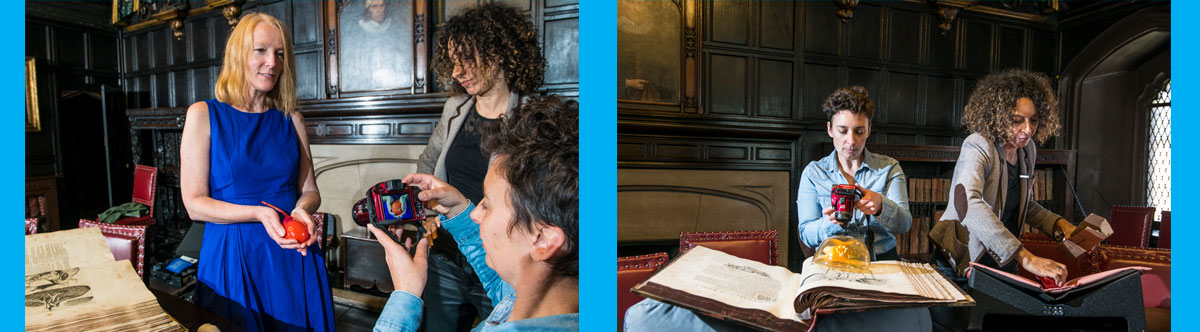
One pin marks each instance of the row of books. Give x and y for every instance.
(937, 190)
(916, 240)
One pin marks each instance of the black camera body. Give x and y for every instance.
(390, 204)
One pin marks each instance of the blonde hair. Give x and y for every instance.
(232, 87)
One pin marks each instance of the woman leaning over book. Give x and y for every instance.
(883, 207)
(1007, 111)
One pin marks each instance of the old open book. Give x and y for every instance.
(774, 298)
(72, 283)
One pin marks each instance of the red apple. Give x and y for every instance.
(295, 230)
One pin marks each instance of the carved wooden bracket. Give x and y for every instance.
(845, 9)
(174, 18)
(231, 9)
(945, 15)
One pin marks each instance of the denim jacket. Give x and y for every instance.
(403, 309)
(879, 173)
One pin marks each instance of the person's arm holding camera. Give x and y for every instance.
(456, 219)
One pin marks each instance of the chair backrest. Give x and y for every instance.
(144, 179)
(631, 271)
(319, 225)
(1164, 231)
(761, 245)
(1156, 283)
(1131, 225)
(125, 242)
(31, 225)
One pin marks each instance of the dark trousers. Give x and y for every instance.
(454, 297)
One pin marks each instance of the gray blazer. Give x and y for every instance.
(981, 171)
(454, 113)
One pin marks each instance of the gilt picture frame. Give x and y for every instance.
(33, 121)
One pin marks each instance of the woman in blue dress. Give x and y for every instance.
(244, 147)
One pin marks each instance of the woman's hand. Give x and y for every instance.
(303, 216)
(1042, 267)
(828, 212)
(443, 198)
(871, 202)
(1066, 227)
(408, 273)
(270, 221)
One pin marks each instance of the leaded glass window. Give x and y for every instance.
(1158, 188)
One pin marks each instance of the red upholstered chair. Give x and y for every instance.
(761, 246)
(1131, 225)
(31, 225)
(125, 241)
(631, 271)
(1164, 231)
(1156, 283)
(144, 179)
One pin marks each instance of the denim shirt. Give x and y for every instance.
(878, 173)
(403, 309)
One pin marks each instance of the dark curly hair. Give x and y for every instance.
(854, 99)
(503, 38)
(990, 107)
(539, 146)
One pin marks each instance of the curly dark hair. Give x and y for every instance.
(854, 99)
(990, 107)
(503, 38)
(537, 150)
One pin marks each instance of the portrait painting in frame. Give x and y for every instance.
(375, 48)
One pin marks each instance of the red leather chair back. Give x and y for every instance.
(1131, 225)
(761, 246)
(1156, 283)
(125, 242)
(631, 271)
(1164, 231)
(31, 226)
(144, 178)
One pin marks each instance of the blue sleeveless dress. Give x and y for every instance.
(243, 275)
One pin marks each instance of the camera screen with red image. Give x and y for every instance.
(392, 204)
(843, 197)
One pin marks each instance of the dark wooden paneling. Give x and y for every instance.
(819, 81)
(202, 84)
(1042, 53)
(977, 46)
(872, 80)
(734, 25)
(104, 53)
(561, 42)
(902, 95)
(145, 45)
(158, 45)
(200, 40)
(864, 31)
(557, 3)
(728, 89)
(820, 27)
(777, 25)
(678, 152)
(177, 49)
(905, 36)
(307, 16)
(939, 97)
(941, 46)
(309, 69)
(35, 41)
(68, 43)
(1010, 51)
(181, 91)
(774, 88)
(520, 4)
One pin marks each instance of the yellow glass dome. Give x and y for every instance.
(844, 253)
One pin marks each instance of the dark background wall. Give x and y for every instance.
(766, 66)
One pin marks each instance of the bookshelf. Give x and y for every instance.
(929, 169)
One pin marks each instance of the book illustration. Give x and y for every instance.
(48, 279)
(52, 298)
(867, 278)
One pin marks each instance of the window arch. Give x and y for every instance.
(1158, 184)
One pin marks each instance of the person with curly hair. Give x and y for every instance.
(882, 212)
(522, 238)
(488, 57)
(1006, 113)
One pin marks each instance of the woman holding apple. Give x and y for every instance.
(240, 152)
